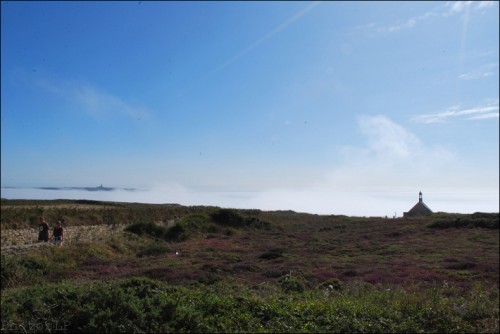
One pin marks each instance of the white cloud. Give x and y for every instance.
(95, 102)
(485, 116)
(482, 72)
(392, 157)
(386, 137)
(409, 23)
(485, 4)
(457, 7)
(101, 104)
(446, 10)
(490, 110)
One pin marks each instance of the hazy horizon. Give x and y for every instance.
(308, 201)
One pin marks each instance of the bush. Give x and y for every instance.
(133, 305)
(176, 233)
(257, 223)
(150, 229)
(20, 270)
(153, 250)
(272, 254)
(196, 224)
(291, 283)
(145, 305)
(227, 217)
(483, 220)
(331, 284)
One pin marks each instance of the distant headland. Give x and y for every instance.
(98, 188)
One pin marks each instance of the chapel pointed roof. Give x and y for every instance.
(419, 209)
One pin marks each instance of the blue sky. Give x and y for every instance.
(323, 107)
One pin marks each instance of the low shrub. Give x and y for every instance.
(292, 283)
(133, 305)
(146, 305)
(153, 250)
(460, 266)
(19, 270)
(231, 218)
(257, 223)
(147, 228)
(218, 222)
(350, 273)
(332, 284)
(483, 220)
(176, 233)
(227, 217)
(272, 254)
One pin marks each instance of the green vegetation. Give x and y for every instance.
(145, 305)
(484, 220)
(198, 225)
(225, 270)
(148, 228)
(18, 214)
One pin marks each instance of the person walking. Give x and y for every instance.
(43, 228)
(58, 234)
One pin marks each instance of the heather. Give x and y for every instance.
(229, 270)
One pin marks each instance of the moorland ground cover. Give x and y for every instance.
(228, 270)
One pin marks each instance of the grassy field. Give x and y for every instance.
(221, 270)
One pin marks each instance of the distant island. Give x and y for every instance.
(99, 188)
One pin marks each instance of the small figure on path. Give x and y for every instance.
(43, 228)
(58, 234)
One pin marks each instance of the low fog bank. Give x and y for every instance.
(316, 201)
